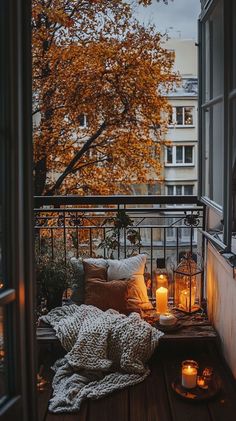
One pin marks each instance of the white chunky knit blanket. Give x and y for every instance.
(107, 351)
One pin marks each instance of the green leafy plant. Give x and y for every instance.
(52, 278)
(122, 228)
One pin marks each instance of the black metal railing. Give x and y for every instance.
(163, 227)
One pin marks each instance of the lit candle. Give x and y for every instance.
(189, 375)
(167, 319)
(161, 299)
(201, 382)
(162, 280)
(185, 298)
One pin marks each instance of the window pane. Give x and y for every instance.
(188, 116)
(188, 190)
(188, 155)
(179, 115)
(170, 117)
(217, 154)
(170, 190)
(169, 155)
(217, 50)
(179, 190)
(179, 154)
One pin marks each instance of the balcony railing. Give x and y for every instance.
(163, 227)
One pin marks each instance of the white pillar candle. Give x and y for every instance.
(161, 300)
(189, 377)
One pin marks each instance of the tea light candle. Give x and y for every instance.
(189, 374)
(167, 319)
(161, 299)
(201, 382)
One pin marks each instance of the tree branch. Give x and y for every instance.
(76, 158)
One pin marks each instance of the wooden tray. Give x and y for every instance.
(197, 394)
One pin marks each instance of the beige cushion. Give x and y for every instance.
(131, 268)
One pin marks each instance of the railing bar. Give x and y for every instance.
(151, 259)
(40, 249)
(52, 244)
(177, 244)
(131, 210)
(64, 237)
(90, 242)
(118, 237)
(139, 232)
(104, 237)
(77, 235)
(165, 245)
(109, 227)
(125, 243)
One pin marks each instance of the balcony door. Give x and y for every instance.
(17, 365)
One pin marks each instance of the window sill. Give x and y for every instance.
(179, 126)
(179, 165)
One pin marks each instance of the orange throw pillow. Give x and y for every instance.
(95, 272)
(106, 295)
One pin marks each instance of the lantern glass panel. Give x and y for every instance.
(187, 282)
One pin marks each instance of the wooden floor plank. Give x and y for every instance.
(148, 400)
(114, 407)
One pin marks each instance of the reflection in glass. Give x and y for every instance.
(188, 154)
(179, 154)
(188, 116)
(169, 155)
(179, 115)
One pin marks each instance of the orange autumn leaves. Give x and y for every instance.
(93, 59)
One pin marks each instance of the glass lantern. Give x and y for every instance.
(187, 284)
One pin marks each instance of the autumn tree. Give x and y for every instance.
(94, 64)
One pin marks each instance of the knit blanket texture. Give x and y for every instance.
(106, 351)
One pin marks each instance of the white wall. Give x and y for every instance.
(186, 55)
(221, 293)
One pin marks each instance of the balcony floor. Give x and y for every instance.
(154, 399)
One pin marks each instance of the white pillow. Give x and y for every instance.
(126, 268)
(96, 261)
(131, 268)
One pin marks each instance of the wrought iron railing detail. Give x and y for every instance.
(162, 227)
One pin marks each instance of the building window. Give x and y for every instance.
(180, 190)
(180, 155)
(83, 121)
(181, 116)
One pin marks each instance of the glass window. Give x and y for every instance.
(179, 154)
(188, 159)
(188, 116)
(188, 190)
(178, 190)
(82, 119)
(169, 155)
(170, 190)
(179, 115)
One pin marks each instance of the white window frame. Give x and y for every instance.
(85, 122)
(182, 189)
(181, 164)
(174, 119)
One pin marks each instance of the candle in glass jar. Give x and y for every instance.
(161, 299)
(189, 374)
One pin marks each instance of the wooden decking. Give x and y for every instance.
(154, 399)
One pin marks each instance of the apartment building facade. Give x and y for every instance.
(181, 157)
